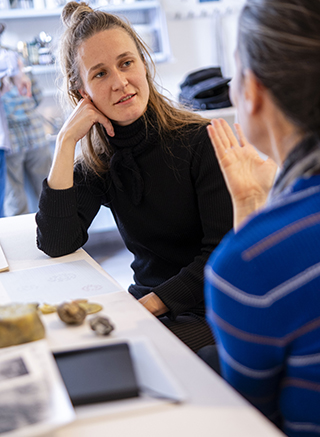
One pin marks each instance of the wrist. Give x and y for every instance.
(65, 137)
(244, 208)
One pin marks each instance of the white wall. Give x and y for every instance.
(201, 35)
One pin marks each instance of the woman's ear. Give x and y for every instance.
(253, 92)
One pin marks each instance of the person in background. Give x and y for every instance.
(262, 284)
(30, 153)
(151, 163)
(9, 71)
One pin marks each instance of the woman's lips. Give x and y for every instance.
(125, 99)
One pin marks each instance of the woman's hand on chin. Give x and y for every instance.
(82, 118)
(249, 178)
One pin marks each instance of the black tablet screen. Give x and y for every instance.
(98, 374)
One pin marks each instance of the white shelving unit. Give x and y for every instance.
(9, 14)
(147, 17)
(31, 12)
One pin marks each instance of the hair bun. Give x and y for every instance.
(73, 12)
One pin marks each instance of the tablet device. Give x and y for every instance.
(98, 374)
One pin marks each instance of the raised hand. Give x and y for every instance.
(249, 178)
(82, 118)
(23, 83)
(78, 124)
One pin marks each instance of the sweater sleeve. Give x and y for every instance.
(184, 291)
(64, 216)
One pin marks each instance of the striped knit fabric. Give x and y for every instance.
(262, 291)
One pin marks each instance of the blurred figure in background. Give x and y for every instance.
(30, 151)
(9, 71)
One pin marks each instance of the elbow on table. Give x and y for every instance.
(56, 241)
(53, 252)
(56, 247)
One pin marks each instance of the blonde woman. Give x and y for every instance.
(149, 162)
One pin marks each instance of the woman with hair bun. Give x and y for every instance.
(262, 285)
(150, 162)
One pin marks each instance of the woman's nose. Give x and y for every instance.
(119, 80)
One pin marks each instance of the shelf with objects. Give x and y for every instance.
(56, 10)
(147, 17)
(35, 34)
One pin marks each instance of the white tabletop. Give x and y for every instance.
(211, 407)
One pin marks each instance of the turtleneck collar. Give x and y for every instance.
(128, 136)
(127, 143)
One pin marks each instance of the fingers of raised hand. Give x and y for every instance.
(108, 126)
(216, 142)
(222, 137)
(228, 133)
(225, 133)
(95, 115)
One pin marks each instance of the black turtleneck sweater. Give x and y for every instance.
(169, 201)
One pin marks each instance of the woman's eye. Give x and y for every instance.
(100, 74)
(127, 63)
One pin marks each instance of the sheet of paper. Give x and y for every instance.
(33, 398)
(3, 261)
(55, 283)
(154, 377)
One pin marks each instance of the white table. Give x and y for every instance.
(212, 407)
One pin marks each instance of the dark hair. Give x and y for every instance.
(279, 40)
(82, 22)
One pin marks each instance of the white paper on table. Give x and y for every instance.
(55, 283)
(33, 397)
(154, 377)
(4, 266)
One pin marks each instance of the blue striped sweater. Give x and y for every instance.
(262, 291)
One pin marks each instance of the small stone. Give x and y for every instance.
(71, 313)
(101, 325)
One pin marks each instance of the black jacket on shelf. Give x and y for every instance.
(205, 89)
